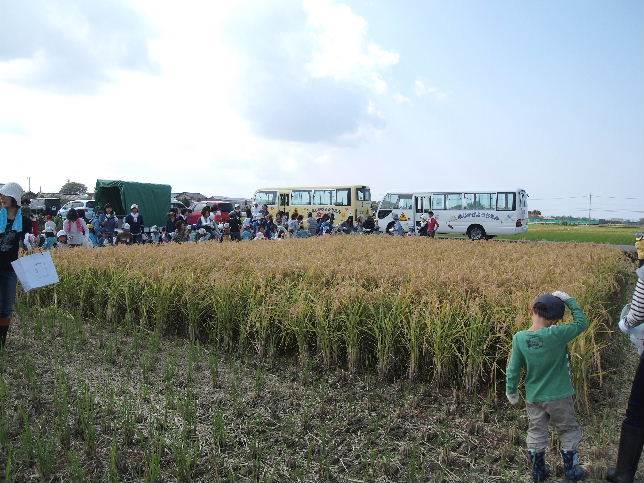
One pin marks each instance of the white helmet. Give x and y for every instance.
(134, 206)
(202, 231)
(14, 190)
(61, 233)
(154, 228)
(126, 226)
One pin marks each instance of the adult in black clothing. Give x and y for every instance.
(235, 223)
(369, 225)
(631, 440)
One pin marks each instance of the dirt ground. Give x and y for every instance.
(84, 402)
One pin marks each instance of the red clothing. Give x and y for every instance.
(432, 224)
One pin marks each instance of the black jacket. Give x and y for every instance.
(10, 242)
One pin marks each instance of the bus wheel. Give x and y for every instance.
(476, 232)
(390, 226)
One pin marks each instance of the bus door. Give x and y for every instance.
(284, 202)
(422, 205)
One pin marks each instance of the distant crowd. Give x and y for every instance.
(254, 222)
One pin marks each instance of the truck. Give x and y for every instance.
(153, 199)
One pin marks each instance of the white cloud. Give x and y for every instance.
(342, 49)
(70, 45)
(422, 89)
(310, 76)
(401, 98)
(182, 123)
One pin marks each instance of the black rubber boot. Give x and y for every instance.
(3, 333)
(540, 471)
(630, 451)
(572, 470)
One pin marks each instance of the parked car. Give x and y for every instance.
(84, 207)
(177, 204)
(45, 206)
(224, 206)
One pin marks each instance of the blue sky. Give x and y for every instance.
(225, 97)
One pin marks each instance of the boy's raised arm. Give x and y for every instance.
(513, 371)
(579, 320)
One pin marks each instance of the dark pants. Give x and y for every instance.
(635, 409)
(8, 281)
(137, 238)
(235, 236)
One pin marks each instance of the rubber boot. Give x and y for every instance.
(4, 328)
(540, 471)
(572, 470)
(630, 451)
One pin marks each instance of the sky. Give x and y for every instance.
(227, 97)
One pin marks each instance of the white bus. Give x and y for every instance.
(477, 214)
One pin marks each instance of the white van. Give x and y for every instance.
(477, 214)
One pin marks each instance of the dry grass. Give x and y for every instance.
(438, 310)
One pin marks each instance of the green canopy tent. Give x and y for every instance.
(153, 199)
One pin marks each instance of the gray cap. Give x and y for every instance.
(550, 307)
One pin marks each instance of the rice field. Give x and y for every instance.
(439, 310)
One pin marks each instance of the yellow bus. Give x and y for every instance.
(343, 201)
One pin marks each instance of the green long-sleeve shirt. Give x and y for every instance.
(544, 355)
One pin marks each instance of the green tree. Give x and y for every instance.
(73, 188)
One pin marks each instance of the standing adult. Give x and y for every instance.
(135, 220)
(235, 223)
(312, 223)
(107, 224)
(13, 227)
(170, 226)
(632, 438)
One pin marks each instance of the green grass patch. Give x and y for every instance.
(615, 235)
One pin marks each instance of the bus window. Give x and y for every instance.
(300, 197)
(469, 201)
(506, 202)
(485, 201)
(423, 204)
(364, 194)
(454, 201)
(323, 197)
(438, 202)
(266, 197)
(343, 197)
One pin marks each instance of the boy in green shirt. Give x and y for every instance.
(542, 351)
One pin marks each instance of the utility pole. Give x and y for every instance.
(29, 183)
(590, 203)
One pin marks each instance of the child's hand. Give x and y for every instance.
(563, 296)
(513, 398)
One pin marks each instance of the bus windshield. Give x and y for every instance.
(396, 201)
